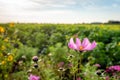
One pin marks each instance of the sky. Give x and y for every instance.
(59, 11)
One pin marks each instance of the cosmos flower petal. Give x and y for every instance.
(85, 42)
(87, 47)
(92, 46)
(78, 43)
(71, 44)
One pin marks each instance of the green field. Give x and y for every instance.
(19, 42)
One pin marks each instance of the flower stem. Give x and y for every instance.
(79, 62)
(61, 76)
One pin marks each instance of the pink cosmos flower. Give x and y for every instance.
(79, 78)
(97, 65)
(107, 78)
(85, 45)
(70, 65)
(34, 77)
(60, 64)
(113, 68)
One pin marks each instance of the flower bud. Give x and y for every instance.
(36, 65)
(35, 58)
(23, 57)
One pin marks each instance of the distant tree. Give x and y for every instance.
(96, 23)
(113, 22)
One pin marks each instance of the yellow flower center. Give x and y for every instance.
(81, 47)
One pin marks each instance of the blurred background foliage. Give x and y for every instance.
(22, 41)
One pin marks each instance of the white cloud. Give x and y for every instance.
(53, 2)
(37, 5)
(57, 11)
(49, 4)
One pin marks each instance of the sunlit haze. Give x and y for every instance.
(59, 11)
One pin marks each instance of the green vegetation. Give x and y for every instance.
(20, 42)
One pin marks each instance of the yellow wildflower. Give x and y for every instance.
(10, 58)
(11, 24)
(3, 62)
(2, 30)
(3, 47)
(6, 75)
(1, 55)
(6, 39)
(119, 44)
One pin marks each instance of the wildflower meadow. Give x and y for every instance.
(59, 51)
